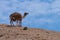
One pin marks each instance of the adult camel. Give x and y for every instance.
(17, 17)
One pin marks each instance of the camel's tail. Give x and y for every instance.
(25, 14)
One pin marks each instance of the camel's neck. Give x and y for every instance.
(25, 14)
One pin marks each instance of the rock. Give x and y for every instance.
(25, 28)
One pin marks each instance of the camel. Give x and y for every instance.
(17, 17)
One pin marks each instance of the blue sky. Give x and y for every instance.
(43, 14)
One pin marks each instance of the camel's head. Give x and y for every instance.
(25, 14)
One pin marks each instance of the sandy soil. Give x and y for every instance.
(17, 33)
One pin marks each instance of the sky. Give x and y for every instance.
(43, 14)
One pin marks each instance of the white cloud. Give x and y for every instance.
(55, 7)
(34, 8)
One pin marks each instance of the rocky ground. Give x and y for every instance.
(17, 33)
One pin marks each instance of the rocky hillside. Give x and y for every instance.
(17, 33)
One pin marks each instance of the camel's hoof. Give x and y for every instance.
(11, 26)
(18, 26)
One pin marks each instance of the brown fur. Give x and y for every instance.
(17, 17)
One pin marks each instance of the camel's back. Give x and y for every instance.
(16, 15)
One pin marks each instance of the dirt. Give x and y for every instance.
(17, 33)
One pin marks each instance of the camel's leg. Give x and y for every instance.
(17, 23)
(11, 22)
(20, 23)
